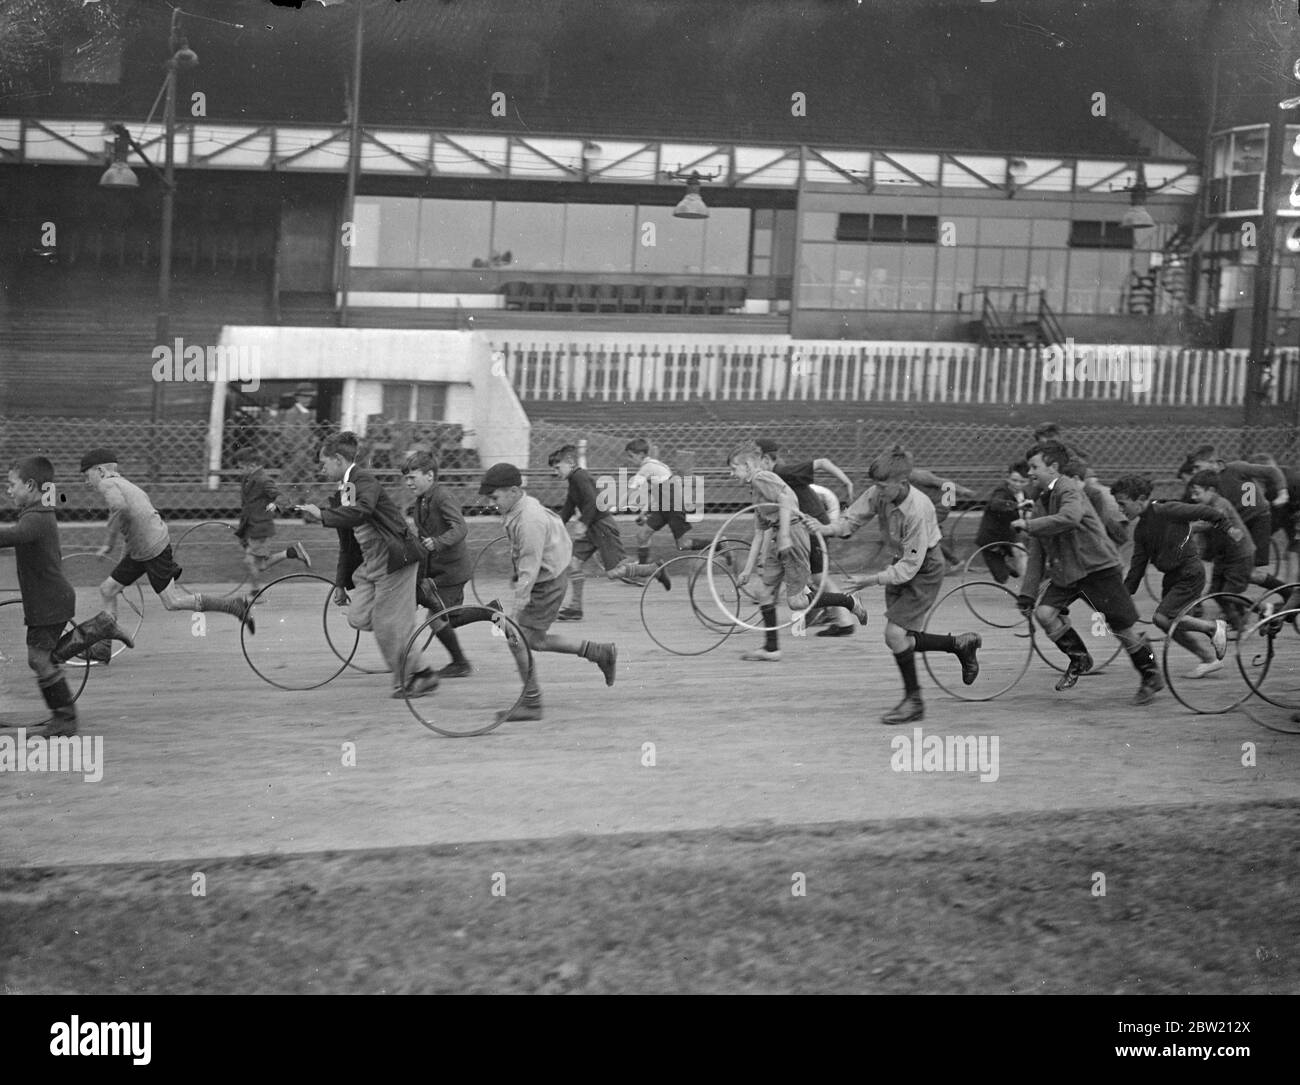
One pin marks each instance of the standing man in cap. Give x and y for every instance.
(297, 438)
(541, 551)
(148, 545)
(380, 559)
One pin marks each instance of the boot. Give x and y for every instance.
(605, 656)
(101, 627)
(241, 608)
(525, 710)
(910, 709)
(63, 720)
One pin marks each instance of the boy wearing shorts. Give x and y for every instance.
(148, 546)
(658, 492)
(260, 500)
(912, 582)
(1162, 535)
(48, 599)
(779, 551)
(541, 552)
(599, 534)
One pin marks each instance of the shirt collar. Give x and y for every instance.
(343, 482)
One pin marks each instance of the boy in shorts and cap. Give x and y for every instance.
(659, 495)
(48, 599)
(912, 582)
(148, 546)
(541, 551)
(261, 500)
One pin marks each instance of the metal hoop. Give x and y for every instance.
(713, 588)
(243, 634)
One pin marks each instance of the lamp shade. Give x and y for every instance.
(119, 175)
(1137, 218)
(692, 206)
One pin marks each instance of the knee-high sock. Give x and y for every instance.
(1141, 656)
(448, 639)
(933, 642)
(906, 662)
(769, 619)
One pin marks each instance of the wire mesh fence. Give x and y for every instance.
(171, 458)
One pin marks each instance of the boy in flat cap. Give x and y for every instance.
(541, 551)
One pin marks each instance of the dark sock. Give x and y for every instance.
(448, 639)
(769, 619)
(643, 555)
(836, 599)
(933, 642)
(1144, 660)
(1269, 581)
(907, 668)
(58, 697)
(1071, 643)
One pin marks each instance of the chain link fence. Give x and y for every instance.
(171, 458)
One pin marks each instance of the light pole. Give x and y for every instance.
(119, 175)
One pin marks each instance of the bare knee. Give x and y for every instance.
(896, 638)
(1048, 617)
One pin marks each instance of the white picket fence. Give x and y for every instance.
(649, 368)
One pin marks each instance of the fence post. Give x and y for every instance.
(582, 452)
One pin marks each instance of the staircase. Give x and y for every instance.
(1025, 320)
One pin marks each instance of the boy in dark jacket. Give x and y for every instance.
(1004, 561)
(379, 561)
(48, 599)
(1162, 536)
(599, 534)
(261, 500)
(440, 526)
(1228, 542)
(1069, 544)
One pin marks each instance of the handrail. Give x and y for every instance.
(1049, 326)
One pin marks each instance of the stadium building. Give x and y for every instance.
(446, 213)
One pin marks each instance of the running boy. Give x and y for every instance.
(48, 599)
(379, 561)
(256, 528)
(441, 528)
(1162, 535)
(1004, 559)
(1249, 487)
(599, 533)
(779, 551)
(541, 551)
(911, 531)
(148, 546)
(660, 498)
(1228, 543)
(1068, 542)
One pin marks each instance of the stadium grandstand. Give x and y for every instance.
(486, 232)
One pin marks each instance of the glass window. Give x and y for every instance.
(1085, 278)
(1220, 159)
(726, 241)
(455, 233)
(364, 251)
(1015, 267)
(390, 241)
(918, 278)
(850, 277)
(1051, 233)
(1004, 231)
(1113, 276)
(678, 243)
(430, 401)
(532, 233)
(921, 229)
(397, 402)
(820, 225)
(887, 228)
(988, 266)
(954, 278)
(1047, 273)
(816, 271)
(884, 276)
(958, 232)
(1244, 192)
(599, 237)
